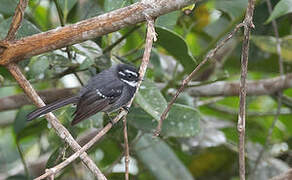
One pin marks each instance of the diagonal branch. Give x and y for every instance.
(209, 56)
(14, 26)
(149, 41)
(62, 132)
(17, 19)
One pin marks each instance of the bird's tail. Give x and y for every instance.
(51, 107)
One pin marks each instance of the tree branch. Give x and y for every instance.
(254, 87)
(87, 29)
(248, 24)
(62, 132)
(126, 148)
(17, 19)
(220, 88)
(49, 96)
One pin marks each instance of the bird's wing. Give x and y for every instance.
(93, 101)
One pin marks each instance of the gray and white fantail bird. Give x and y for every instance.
(107, 91)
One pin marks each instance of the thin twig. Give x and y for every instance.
(14, 26)
(110, 47)
(126, 147)
(189, 77)
(133, 51)
(17, 19)
(118, 160)
(248, 24)
(62, 132)
(149, 41)
(62, 22)
(279, 97)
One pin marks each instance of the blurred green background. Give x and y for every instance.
(199, 137)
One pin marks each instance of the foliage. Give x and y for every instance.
(198, 141)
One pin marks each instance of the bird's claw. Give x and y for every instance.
(126, 108)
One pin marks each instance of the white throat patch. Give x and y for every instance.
(130, 83)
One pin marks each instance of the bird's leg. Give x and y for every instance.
(126, 108)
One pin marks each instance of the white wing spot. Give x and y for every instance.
(100, 94)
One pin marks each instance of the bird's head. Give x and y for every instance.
(128, 74)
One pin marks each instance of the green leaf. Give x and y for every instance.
(1, 18)
(88, 53)
(176, 46)
(66, 6)
(110, 5)
(20, 119)
(33, 129)
(88, 9)
(95, 121)
(8, 7)
(26, 29)
(233, 8)
(150, 99)
(38, 66)
(160, 159)
(216, 28)
(157, 67)
(168, 20)
(54, 158)
(182, 121)
(269, 44)
(40, 15)
(17, 177)
(283, 7)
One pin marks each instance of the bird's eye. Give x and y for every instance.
(129, 76)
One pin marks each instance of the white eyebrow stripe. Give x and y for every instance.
(131, 83)
(121, 73)
(131, 72)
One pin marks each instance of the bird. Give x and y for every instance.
(107, 91)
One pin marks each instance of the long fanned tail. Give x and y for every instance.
(51, 107)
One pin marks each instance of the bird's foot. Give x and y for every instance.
(126, 108)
